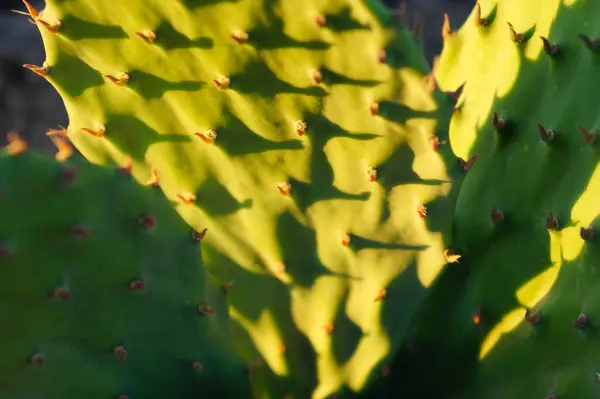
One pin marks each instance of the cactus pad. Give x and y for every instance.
(101, 285)
(525, 216)
(302, 135)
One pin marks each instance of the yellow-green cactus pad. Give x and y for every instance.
(301, 137)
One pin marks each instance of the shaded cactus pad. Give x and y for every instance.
(100, 289)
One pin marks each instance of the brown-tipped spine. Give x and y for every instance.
(588, 136)
(590, 44)
(446, 29)
(550, 48)
(546, 134)
(480, 22)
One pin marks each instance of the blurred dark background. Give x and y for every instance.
(29, 105)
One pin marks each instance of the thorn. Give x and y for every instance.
(422, 211)
(4, 251)
(205, 309)
(452, 256)
(222, 82)
(498, 123)
(496, 215)
(36, 17)
(328, 328)
(401, 13)
(31, 11)
(581, 322)
(42, 71)
(514, 36)
(96, 133)
(284, 188)
(446, 30)
(153, 181)
(187, 198)
(477, 316)
(549, 48)
(417, 25)
(60, 132)
(280, 268)
(386, 369)
(120, 80)
(81, 231)
(592, 45)
(546, 134)
(146, 35)
(61, 293)
(382, 56)
(436, 64)
(127, 167)
(455, 95)
(346, 238)
(532, 318)
(239, 36)
(137, 285)
(551, 222)
(479, 22)
(316, 76)
(123, 396)
(16, 144)
(436, 142)
(588, 137)
(197, 236)
(147, 222)
(372, 173)
(120, 352)
(52, 28)
(430, 80)
(587, 234)
(300, 127)
(281, 348)
(374, 108)
(320, 20)
(251, 365)
(467, 165)
(227, 286)
(208, 137)
(69, 174)
(198, 367)
(381, 295)
(62, 143)
(38, 360)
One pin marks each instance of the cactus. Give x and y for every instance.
(302, 135)
(101, 288)
(524, 218)
(306, 142)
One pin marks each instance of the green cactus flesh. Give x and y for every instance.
(101, 285)
(300, 135)
(529, 266)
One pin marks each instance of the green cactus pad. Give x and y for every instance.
(100, 288)
(529, 109)
(302, 136)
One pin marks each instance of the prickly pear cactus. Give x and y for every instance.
(300, 138)
(524, 325)
(102, 289)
